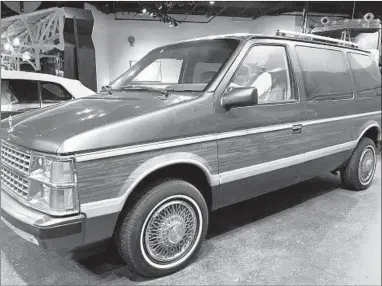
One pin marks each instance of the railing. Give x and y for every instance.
(315, 38)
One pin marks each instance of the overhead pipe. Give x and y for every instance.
(193, 9)
(352, 15)
(179, 21)
(77, 46)
(154, 20)
(305, 17)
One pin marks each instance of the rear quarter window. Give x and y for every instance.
(53, 92)
(366, 76)
(325, 74)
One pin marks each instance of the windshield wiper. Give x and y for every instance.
(108, 89)
(134, 87)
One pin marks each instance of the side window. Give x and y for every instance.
(7, 95)
(266, 68)
(53, 92)
(17, 95)
(325, 74)
(14, 91)
(166, 71)
(365, 74)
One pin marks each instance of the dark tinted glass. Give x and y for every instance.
(53, 92)
(23, 90)
(365, 73)
(325, 74)
(18, 96)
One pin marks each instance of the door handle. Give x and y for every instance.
(297, 128)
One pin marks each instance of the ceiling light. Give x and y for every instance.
(7, 46)
(16, 41)
(212, 2)
(26, 56)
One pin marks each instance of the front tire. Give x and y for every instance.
(358, 174)
(164, 229)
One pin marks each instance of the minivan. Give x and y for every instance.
(192, 127)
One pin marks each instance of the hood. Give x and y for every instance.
(47, 128)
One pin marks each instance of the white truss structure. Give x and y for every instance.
(28, 37)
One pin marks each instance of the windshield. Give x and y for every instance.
(188, 66)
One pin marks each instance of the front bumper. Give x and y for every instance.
(46, 231)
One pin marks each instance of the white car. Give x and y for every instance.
(22, 91)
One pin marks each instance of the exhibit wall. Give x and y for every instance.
(114, 52)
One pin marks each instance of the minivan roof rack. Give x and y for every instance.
(315, 38)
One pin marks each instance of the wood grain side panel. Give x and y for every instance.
(337, 132)
(244, 189)
(240, 152)
(260, 148)
(108, 178)
(359, 124)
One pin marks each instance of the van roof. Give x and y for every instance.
(249, 36)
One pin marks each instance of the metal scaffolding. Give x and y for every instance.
(28, 37)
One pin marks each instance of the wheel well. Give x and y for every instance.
(372, 133)
(184, 171)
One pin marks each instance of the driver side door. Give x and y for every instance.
(256, 144)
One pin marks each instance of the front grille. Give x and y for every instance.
(15, 158)
(14, 182)
(15, 163)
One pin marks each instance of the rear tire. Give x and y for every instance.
(359, 172)
(164, 229)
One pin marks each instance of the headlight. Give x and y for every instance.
(53, 186)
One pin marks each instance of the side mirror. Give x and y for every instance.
(240, 97)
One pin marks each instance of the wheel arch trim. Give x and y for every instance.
(115, 205)
(366, 127)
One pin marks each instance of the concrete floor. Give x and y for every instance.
(311, 233)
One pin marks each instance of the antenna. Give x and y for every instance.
(315, 38)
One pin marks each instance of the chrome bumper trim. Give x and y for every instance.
(41, 229)
(21, 233)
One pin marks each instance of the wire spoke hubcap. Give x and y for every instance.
(171, 231)
(366, 165)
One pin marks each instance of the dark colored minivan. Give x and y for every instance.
(190, 128)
